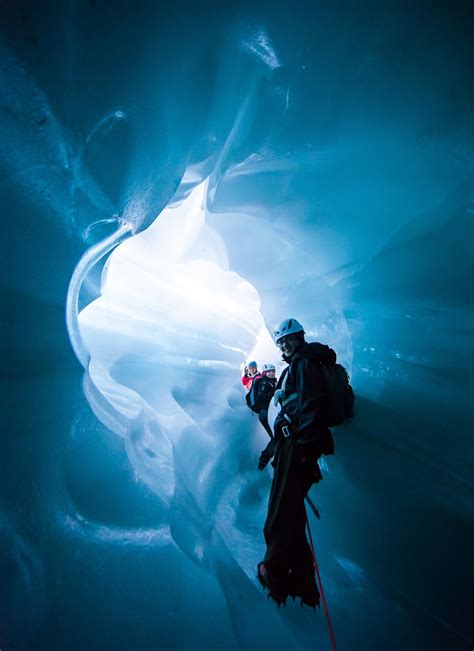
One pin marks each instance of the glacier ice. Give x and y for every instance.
(175, 182)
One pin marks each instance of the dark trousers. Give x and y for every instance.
(284, 530)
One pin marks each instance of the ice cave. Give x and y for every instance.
(177, 177)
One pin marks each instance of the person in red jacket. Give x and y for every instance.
(250, 374)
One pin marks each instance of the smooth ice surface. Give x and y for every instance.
(176, 179)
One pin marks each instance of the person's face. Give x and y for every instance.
(252, 370)
(270, 373)
(288, 344)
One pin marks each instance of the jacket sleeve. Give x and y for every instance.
(310, 391)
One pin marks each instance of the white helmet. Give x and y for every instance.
(268, 367)
(287, 327)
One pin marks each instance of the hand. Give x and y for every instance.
(266, 455)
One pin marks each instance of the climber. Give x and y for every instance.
(269, 370)
(250, 374)
(300, 438)
(260, 394)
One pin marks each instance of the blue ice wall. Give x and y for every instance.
(335, 144)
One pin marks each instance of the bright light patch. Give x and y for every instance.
(166, 339)
(168, 297)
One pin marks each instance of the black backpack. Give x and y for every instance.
(340, 395)
(260, 394)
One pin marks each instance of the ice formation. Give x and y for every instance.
(174, 183)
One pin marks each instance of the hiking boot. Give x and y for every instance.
(276, 588)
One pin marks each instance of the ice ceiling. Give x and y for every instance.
(174, 182)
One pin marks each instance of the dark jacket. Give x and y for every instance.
(263, 389)
(303, 400)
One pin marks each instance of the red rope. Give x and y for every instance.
(331, 632)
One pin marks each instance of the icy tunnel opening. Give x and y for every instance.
(167, 340)
(171, 288)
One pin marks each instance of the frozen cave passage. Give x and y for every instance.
(168, 337)
(270, 159)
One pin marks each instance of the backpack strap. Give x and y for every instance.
(252, 392)
(280, 392)
(282, 379)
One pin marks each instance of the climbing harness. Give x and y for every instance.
(331, 632)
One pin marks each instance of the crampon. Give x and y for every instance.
(306, 590)
(276, 590)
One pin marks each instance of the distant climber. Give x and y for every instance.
(250, 374)
(300, 438)
(260, 394)
(269, 371)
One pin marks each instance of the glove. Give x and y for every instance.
(266, 455)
